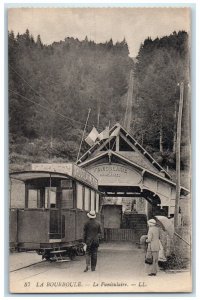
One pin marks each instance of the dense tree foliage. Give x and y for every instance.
(52, 87)
(162, 64)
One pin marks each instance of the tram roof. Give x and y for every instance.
(29, 175)
(56, 171)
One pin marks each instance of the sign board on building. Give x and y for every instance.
(115, 175)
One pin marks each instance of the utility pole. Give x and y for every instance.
(178, 150)
(83, 135)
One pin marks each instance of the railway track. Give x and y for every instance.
(27, 266)
(38, 263)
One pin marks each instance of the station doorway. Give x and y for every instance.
(126, 211)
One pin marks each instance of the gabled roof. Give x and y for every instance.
(132, 140)
(141, 169)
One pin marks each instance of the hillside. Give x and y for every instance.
(52, 87)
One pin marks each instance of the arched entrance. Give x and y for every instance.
(129, 176)
(132, 195)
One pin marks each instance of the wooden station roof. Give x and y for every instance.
(139, 154)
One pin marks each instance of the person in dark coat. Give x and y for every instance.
(92, 232)
(153, 245)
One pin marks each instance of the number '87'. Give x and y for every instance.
(27, 284)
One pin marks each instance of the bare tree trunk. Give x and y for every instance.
(98, 114)
(129, 105)
(178, 146)
(161, 135)
(142, 139)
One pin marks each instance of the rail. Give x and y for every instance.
(180, 237)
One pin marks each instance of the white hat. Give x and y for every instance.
(151, 222)
(91, 214)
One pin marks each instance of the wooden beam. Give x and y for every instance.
(26, 196)
(128, 142)
(117, 143)
(90, 151)
(105, 142)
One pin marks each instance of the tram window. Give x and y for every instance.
(17, 194)
(92, 200)
(33, 198)
(79, 195)
(87, 199)
(97, 202)
(67, 198)
(50, 197)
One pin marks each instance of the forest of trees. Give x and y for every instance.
(162, 64)
(52, 87)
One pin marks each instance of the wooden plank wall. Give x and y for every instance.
(13, 227)
(116, 234)
(70, 221)
(33, 226)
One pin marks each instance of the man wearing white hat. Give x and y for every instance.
(153, 245)
(92, 230)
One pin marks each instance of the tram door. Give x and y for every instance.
(55, 226)
(61, 198)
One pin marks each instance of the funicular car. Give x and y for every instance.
(49, 213)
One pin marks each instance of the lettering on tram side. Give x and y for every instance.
(83, 175)
(53, 167)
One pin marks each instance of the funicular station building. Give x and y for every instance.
(135, 186)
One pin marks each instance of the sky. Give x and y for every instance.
(99, 24)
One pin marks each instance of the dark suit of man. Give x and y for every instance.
(92, 230)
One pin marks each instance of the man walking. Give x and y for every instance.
(92, 230)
